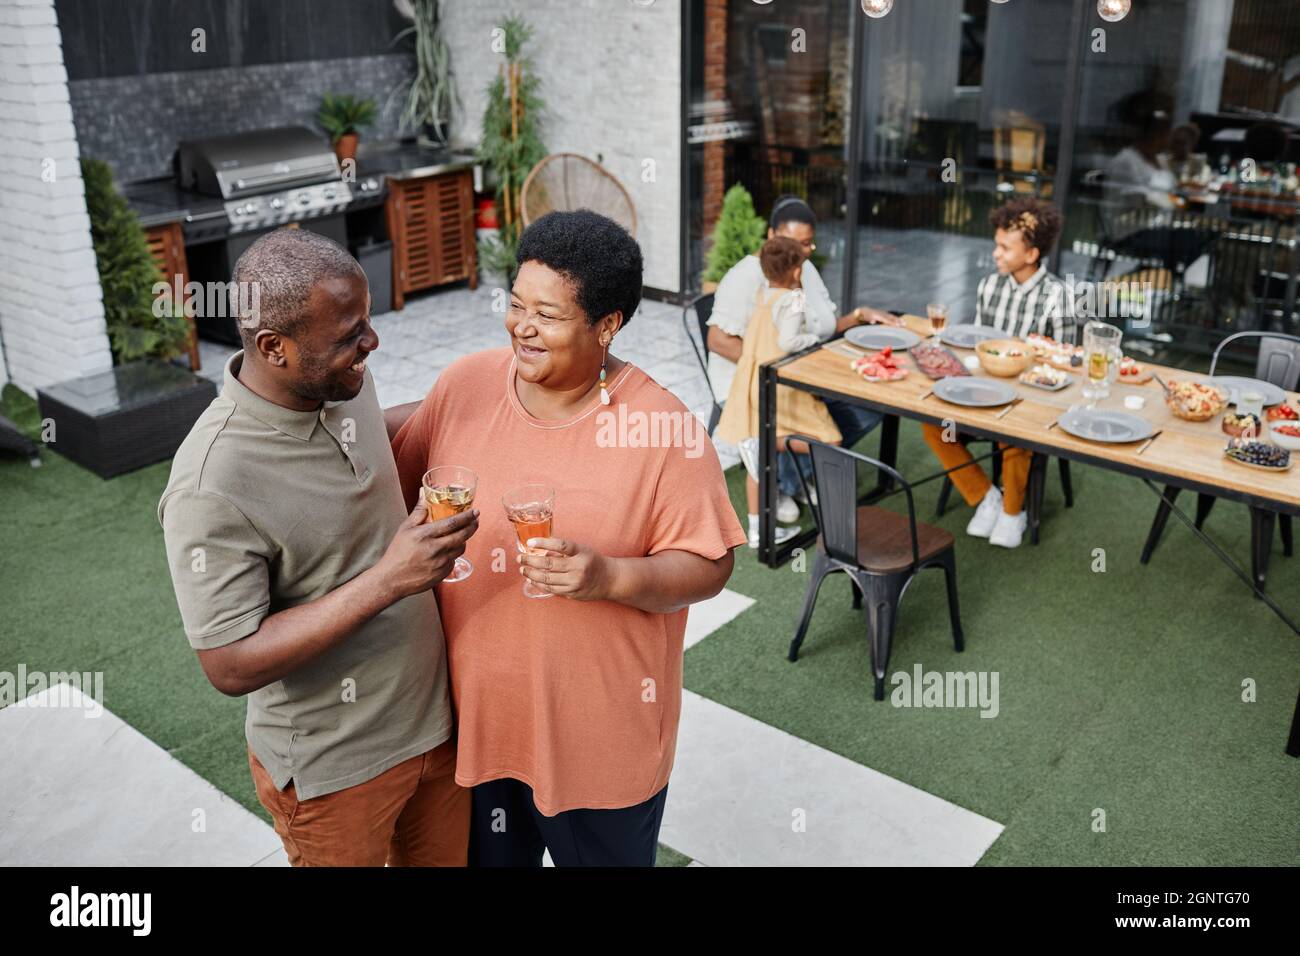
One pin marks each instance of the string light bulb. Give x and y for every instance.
(877, 8)
(1112, 11)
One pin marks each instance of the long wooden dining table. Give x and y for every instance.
(1183, 454)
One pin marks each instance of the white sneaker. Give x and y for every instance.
(1009, 530)
(748, 448)
(986, 515)
(787, 509)
(812, 495)
(782, 535)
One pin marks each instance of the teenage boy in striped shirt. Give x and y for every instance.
(1020, 298)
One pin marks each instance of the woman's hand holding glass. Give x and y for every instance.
(568, 568)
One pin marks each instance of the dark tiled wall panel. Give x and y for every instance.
(134, 122)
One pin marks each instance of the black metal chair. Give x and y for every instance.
(880, 550)
(1278, 362)
(703, 308)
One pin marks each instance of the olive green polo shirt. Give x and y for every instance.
(268, 508)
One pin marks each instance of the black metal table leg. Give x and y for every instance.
(888, 454)
(767, 483)
(1293, 742)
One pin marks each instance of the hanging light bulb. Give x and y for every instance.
(1112, 11)
(999, 1)
(877, 8)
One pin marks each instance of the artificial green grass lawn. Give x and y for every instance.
(1119, 691)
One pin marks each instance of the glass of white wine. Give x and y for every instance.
(449, 490)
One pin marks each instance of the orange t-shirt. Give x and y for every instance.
(578, 699)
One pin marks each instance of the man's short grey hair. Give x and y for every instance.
(277, 273)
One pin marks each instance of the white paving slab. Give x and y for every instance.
(707, 616)
(93, 791)
(739, 786)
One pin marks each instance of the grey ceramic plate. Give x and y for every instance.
(1234, 385)
(968, 336)
(882, 337)
(974, 392)
(1105, 426)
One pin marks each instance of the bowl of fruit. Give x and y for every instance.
(1004, 357)
(1286, 434)
(1241, 426)
(1284, 412)
(1194, 401)
(1258, 454)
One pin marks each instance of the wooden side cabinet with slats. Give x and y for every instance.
(167, 246)
(431, 225)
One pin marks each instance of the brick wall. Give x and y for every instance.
(191, 104)
(51, 309)
(715, 91)
(611, 78)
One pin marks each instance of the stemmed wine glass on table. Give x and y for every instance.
(937, 313)
(530, 509)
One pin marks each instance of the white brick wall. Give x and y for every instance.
(610, 75)
(51, 308)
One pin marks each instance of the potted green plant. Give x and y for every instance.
(511, 144)
(343, 118)
(739, 232)
(431, 92)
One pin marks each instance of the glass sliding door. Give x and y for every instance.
(1184, 186)
(771, 113)
(962, 107)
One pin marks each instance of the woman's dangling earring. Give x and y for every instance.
(604, 386)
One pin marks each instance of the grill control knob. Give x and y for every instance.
(304, 198)
(277, 203)
(329, 194)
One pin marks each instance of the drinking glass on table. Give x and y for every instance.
(449, 490)
(1101, 356)
(938, 315)
(530, 509)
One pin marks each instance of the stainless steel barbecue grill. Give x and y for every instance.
(267, 177)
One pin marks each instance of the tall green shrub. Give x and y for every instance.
(512, 143)
(127, 274)
(739, 232)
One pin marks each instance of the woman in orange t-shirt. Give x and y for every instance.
(567, 707)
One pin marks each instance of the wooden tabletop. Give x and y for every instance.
(1191, 453)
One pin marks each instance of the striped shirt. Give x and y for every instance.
(1041, 304)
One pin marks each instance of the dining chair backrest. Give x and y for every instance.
(835, 473)
(702, 307)
(1278, 361)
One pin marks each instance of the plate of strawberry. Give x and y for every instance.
(880, 367)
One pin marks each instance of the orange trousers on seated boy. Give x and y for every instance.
(971, 480)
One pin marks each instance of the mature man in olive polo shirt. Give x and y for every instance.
(303, 583)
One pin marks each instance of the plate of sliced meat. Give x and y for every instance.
(937, 361)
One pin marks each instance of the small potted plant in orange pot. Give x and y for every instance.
(343, 117)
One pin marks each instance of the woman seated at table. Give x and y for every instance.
(1020, 298)
(778, 325)
(567, 707)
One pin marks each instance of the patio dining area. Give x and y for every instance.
(1119, 688)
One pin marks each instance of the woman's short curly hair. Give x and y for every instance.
(1038, 221)
(597, 255)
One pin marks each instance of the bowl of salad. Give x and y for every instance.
(1004, 357)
